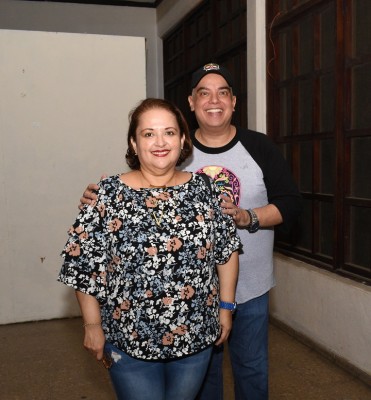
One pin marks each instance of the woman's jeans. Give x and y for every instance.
(178, 379)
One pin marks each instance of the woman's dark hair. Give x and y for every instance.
(134, 116)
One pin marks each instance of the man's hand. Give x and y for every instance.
(240, 216)
(89, 194)
(268, 215)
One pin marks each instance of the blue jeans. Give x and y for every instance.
(248, 351)
(135, 379)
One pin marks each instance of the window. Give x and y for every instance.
(319, 113)
(214, 32)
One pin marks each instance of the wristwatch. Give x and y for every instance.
(253, 225)
(228, 306)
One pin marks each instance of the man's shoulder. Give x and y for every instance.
(251, 136)
(255, 142)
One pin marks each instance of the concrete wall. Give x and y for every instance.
(64, 117)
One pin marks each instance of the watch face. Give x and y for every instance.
(254, 222)
(254, 227)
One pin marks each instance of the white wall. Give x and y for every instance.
(332, 311)
(87, 18)
(64, 104)
(256, 66)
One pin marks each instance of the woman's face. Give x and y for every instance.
(158, 140)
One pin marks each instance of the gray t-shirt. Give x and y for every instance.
(238, 175)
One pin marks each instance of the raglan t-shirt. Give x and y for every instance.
(248, 177)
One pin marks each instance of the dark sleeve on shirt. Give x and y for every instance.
(281, 188)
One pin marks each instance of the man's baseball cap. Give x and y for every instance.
(211, 68)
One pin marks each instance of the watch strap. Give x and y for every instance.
(253, 225)
(228, 306)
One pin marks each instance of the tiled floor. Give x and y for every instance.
(46, 361)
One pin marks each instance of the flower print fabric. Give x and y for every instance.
(148, 256)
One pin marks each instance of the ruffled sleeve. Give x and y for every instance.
(85, 254)
(226, 237)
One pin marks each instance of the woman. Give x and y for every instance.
(150, 261)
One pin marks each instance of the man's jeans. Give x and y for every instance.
(248, 350)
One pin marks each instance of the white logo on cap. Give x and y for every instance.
(211, 66)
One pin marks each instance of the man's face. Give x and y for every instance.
(213, 102)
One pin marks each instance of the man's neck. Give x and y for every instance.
(215, 138)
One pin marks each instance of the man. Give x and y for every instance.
(260, 194)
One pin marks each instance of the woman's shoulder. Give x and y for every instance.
(131, 179)
(184, 177)
(204, 183)
(111, 182)
(110, 187)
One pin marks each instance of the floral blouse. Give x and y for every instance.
(149, 257)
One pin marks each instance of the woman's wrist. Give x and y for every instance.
(91, 324)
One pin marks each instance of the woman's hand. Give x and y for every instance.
(225, 319)
(94, 340)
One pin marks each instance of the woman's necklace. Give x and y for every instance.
(158, 220)
(147, 183)
(159, 199)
